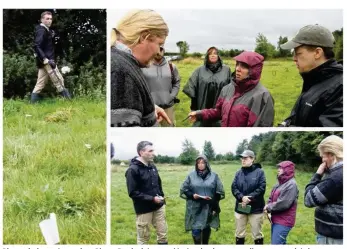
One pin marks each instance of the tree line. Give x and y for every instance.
(270, 148)
(263, 47)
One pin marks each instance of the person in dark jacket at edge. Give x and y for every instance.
(112, 151)
(45, 56)
(320, 103)
(248, 188)
(282, 203)
(245, 102)
(135, 42)
(325, 192)
(163, 81)
(145, 189)
(206, 84)
(202, 190)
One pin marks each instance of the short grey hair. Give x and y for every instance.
(142, 145)
(46, 13)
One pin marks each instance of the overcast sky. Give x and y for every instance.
(235, 28)
(169, 141)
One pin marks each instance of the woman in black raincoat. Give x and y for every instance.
(206, 83)
(203, 190)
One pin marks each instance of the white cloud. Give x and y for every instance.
(235, 28)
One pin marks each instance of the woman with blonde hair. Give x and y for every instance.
(325, 192)
(135, 41)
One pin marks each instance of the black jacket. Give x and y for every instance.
(250, 181)
(143, 184)
(321, 101)
(43, 44)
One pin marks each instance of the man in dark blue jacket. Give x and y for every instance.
(248, 188)
(145, 189)
(44, 53)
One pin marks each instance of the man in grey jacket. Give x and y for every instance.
(164, 83)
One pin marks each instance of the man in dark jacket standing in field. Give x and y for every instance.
(321, 101)
(248, 188)
(163, 82)
(44, 53)
(145, 189)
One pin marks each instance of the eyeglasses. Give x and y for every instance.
(244, 158)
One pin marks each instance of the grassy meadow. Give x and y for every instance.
(54, 162)
(123, 228)
(280, 77)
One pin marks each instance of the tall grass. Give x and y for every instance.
(48, 168)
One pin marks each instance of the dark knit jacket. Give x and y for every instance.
(326, 194)
(131, 101)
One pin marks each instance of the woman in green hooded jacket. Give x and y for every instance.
(202, 190)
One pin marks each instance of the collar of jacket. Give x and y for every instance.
(41, 24)
(251, 168)
(336, 166)
(137, 162)
(123, 47)
(320, 73)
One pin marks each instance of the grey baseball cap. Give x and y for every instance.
(247, 153)
(315, 35)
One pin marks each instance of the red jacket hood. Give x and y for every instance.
(288, 171)
(255, 63)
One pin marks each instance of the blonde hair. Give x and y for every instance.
(332, 144)
(137, 24)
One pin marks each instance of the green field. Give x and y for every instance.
(281, 78)
(49, 169)
(123, 229)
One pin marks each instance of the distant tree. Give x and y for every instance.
(183, 47)
(164, 159)
(282, 52)
(242, 146)
(229, 156)
(197, 54)
(338, 49)
(264, 47)
(189, 153)
(209, 151)
(219, 157)
(234, 52)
